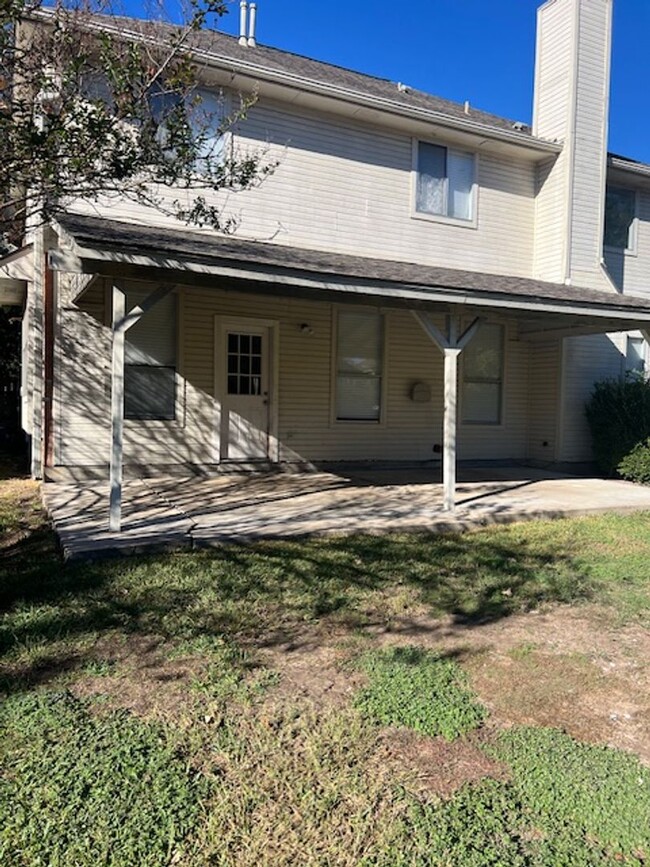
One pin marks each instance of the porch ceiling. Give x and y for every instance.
(123, 250)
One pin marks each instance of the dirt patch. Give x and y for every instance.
(436, 767)
(313, 670)
(142, 678)
(21, 513)
(569, 668)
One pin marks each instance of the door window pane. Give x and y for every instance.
(359, 366)
(244, 364)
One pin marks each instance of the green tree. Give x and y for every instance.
(94, 106)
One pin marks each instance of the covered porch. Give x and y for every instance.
(439, 309)
(167, 513)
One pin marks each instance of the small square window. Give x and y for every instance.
(149, 392)
(445, 181)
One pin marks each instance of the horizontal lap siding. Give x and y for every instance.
(555, 47)
(345, 186)
(543, 399)
(409, 430)
(587, 360)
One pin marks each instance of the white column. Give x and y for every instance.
(451, 346)
(450, 429)
(117, 410)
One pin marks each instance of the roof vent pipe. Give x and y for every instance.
(251, 26)
(243, 16)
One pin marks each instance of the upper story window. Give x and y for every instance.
(359, 365)
(445, 182)
(620, 218)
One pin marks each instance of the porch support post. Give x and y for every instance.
(121, 324)
(117, 410)
(450, 429)
(451, 346)
(646, 335)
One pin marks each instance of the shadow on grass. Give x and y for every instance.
(268, 593)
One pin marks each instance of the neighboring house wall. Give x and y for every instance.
(409, 430)
(347, 187)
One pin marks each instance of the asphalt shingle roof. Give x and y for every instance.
(103, 234)
(227, 48)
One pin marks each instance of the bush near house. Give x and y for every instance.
(636, 465)
(618, 413)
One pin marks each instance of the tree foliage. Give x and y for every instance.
(95, 106)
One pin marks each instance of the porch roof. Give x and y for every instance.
(105, 247)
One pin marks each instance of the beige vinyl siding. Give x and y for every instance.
(572, 98)
(345, 186)
(550, 221)
(545, 359)
(592, 108)
(587, 360)
(553, 74)
(409, 430)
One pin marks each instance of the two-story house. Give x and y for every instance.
(417, 280)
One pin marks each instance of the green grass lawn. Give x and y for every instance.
(144, 721)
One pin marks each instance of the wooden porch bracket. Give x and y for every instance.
(121, 322)
(451, 347)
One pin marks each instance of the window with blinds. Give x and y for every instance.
(150, 362)
(359, 361)
(482, 395)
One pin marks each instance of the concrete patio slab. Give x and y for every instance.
(170, 512)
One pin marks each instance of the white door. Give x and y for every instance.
(244, 356)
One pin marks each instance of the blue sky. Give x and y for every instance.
(480, 50)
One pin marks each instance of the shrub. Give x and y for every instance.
(636, 465)
(618, 413)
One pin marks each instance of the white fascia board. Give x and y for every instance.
(623, 165)
(89, 260)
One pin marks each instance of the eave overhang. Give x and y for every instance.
(121, 251)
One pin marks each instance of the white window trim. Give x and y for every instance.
(440, 218)
(478, 425)
(633, 249)
(178, 422)
(360, 422)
